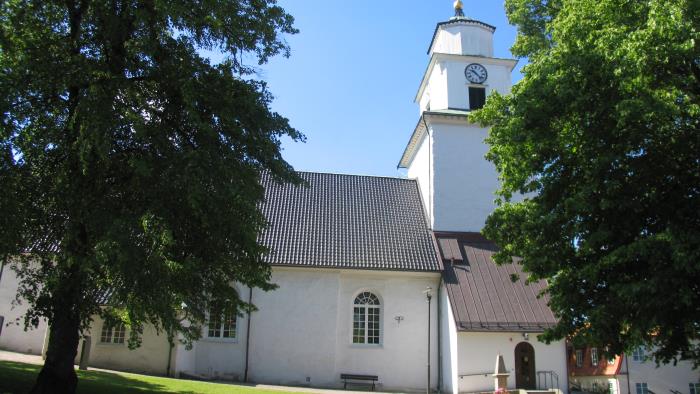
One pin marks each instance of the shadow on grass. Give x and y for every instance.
(18, 378)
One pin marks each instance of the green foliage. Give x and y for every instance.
(129, 163)
(602, 138)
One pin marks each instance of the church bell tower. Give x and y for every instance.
(446, 152)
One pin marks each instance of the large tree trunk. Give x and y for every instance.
(58, 374)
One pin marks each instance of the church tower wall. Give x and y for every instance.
(463, 181)
(421, 169)
(446, 153)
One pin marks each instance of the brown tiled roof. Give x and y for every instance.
(482, 294)
(348, 221)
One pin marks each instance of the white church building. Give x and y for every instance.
(356, 259)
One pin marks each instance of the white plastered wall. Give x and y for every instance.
(478, 351)
(458, 86)
(221, 359)
(401, 360)
(449, 339)
(13, 336)
(447, 87)
(301, 333)
(662, 379)
(464, 39)
(457, 183)
(435, 92)
(420, 169)
(293, 333)
(216, 358)
(151, 357)
(464, 182)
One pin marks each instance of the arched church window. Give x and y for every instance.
(366, 319)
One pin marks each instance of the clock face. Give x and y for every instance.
(476, 73)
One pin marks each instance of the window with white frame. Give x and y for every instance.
(695, 388)
(222, 322)
(638, 354)
(112, 333)
(594, 356)
(579, 358)
(366, 319)
(642, 388)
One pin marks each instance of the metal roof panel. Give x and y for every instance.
(482, 295)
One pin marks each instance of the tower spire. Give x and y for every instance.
(459, 12)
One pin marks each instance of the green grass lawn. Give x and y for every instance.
(19, 378)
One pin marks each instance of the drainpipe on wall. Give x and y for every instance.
(627, 364)
(429, 296)
(568, 369)
(247, 335)
(439, 339)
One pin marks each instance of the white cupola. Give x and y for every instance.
(463, 36)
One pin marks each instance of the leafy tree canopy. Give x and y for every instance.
(130, 163)
(602, 138)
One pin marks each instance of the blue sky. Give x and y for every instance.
(352, 76)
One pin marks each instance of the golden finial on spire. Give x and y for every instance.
(458, 8)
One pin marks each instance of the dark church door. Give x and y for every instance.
(525, 366)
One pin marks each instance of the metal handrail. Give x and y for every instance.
(553, 376)
(475, 374)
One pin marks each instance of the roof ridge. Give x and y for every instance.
(356, 175)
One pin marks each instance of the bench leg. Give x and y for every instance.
(373, 385)
(345, 384)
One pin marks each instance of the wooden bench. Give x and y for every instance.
(362, 378)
